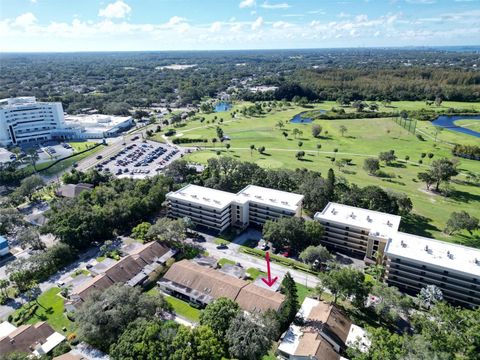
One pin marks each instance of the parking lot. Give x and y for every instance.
(140, 159)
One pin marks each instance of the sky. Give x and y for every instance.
(135, 25)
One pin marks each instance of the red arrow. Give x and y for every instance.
(270, 281)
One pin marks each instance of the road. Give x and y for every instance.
(233, 253)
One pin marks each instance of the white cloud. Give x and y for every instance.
(257, 24)
(283, 5)
(247, 3)
(216, 26)
(25, 20)
(281, 25)
(116, 10)
(33, 1)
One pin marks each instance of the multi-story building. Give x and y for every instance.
(218, 210)
(412, 262)
(415, 261)
(4, 248)
(207, 207)
(355, 230)
(24, 120)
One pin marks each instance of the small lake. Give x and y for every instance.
(448, 122)
(222, 106)
(299, 119)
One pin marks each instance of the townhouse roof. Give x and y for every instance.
(253, 298)
(204, 279)
(135, 266)
(26, 338)
(207, 283)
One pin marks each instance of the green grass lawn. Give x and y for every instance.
(303, 292)
(364, 138)
(184, 309)
(469, 124)
(224, 261)
(254, 273)
(51, 309)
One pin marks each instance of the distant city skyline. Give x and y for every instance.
(136, 25)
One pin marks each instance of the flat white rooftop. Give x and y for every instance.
(380, 224)
(6, 329)
(445, 255)
(203, 196)
(269, 197)
(95, 122)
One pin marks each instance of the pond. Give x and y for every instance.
(448, 122)
(299, 119)
(222, 106)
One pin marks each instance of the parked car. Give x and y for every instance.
(99, 157)
(222, 247)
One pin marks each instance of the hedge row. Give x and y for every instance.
(188, 140)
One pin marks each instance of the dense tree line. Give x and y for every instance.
(228, 174)
(111, 207)
(115, 82)
(467, 151)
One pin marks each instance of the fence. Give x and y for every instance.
(408, 124)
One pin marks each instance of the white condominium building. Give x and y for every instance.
(359, 231)
(24, 120)
(218, 210)
(414, 261)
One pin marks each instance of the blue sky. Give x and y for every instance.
(88, 25)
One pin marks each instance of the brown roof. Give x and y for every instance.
(126, 268)
(99, 282)
(73, 190)
(25, 338)
(70, 356)
(214, 283)
(150, 251)
(311, 343)
(253, 298)
(123, 270)
(330, 315)
(205, 280)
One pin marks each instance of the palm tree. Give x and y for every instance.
(430, 295)
(214, 140)
(295, 132)
(319, 146)
(227, 146)
(4, 286)
(343, 130)
(252, 147)
(279, 124)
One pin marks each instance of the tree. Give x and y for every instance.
(300, 143)
(346, 282)
(371, 165)
(330, 185)
(296, 132)
(219, 133)
(343, 129)
(10, 217)
(4, 284)
(461, 220)
(28, 186)
(214, 141)
(104, 316)
(140, 231)
(30, 237)
(300, 154)
(441, 170)
(198, 343)
(291, 305)
(227, 146)
(390, 303)
(33, 157)
(438, 130)
(316, 130)
(252, 147)
(247, 340)
(319, 146)
(168, 231)
(430, 295)
(261, 149)
(313, 254)
(292, 232)
(387, 156)
(219, 315)
(280, 124)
